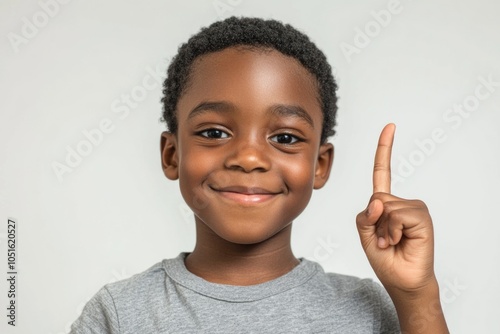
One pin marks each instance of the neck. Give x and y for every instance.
(220, 261)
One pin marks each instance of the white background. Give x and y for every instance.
(115, 214)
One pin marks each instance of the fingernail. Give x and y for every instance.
(381, 242)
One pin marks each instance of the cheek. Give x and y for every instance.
(299, 178)
(196, 169)
(192, 171)
(193, 166)
(299, 173)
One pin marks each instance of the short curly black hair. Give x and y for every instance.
(258, 33)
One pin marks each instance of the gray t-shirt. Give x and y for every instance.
(167, 298)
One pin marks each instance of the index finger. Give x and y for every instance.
(382, 164)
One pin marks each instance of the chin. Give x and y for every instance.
(248, 235)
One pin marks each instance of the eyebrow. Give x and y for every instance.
(276, 109)
(203, 107)
(292, 111)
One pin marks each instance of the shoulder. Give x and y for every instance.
(361, 300)
(140, 284)
(347, 284)
(360, 292)
(341, 284)
(110, 309)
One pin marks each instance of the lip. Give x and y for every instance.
(246, 195)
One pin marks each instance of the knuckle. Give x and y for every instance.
(394, 215)
(380, 167)
(421, 203)
(388, 207)
(378, 195)
(359, 218)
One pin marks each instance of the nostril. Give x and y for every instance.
(248, 159)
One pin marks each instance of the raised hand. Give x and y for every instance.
(396, 233)
(398, 240)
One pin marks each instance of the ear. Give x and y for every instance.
(169, 156)
(323, 165)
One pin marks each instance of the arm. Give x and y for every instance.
(98, 316)
(420, 311)
(398, 239)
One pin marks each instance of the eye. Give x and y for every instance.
(285, 138)
(213, 134)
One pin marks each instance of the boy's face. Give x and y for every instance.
(247, 152)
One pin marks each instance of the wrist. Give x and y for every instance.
(425, 291)
(419, 310)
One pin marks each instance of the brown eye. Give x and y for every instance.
(213, 134)
(285, 138)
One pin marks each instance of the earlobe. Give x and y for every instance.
(323, 165)
(169, 157)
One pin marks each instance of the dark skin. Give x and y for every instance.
(248, 155)
(249, 134)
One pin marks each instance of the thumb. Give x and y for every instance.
(366, 222)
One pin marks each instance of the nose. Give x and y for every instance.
(249, 154)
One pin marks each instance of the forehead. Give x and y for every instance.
(251, 78)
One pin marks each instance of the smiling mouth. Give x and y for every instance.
(246, 195)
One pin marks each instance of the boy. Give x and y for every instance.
(249, 105)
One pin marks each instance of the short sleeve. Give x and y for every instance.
(389, 322)
(98, 316)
